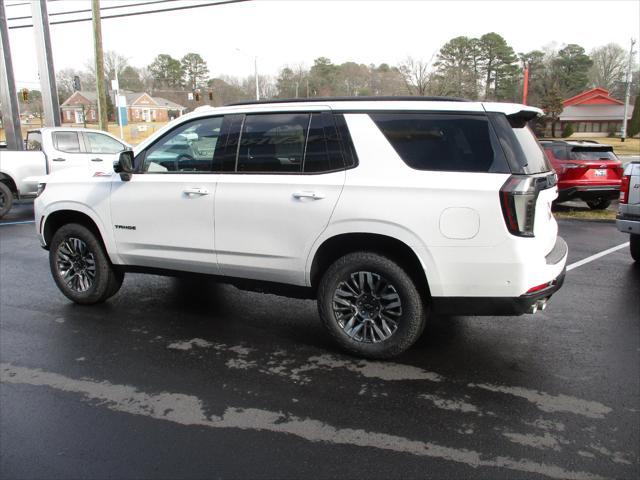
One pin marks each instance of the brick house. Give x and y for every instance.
(141, 107)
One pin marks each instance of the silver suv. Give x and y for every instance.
(628, 219)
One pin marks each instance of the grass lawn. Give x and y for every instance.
(579, 209)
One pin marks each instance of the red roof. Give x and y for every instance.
(595, 96)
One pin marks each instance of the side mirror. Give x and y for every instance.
(124, 165)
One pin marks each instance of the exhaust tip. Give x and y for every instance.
(533, 308)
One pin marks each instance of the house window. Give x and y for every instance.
(93, 114)
(68, 114)
(596, 127)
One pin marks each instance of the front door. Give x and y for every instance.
(280, 197)
(164, 216)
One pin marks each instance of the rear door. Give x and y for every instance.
(282, 177)
(66, 151)
(101, 151)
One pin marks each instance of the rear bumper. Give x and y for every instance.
(589, 192)
(628, 225)
(496, 306)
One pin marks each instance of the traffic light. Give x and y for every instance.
(197, 96)
(76, 83)
(211, 96)
(25, 95)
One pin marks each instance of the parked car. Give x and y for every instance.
(628, 218)
(50, 150)
(384, 210)
(587, 170)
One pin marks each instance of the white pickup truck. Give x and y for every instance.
(50, 150)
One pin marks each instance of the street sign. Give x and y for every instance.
(123, 116)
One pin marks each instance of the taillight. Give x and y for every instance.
(624, 189)
(518, 200)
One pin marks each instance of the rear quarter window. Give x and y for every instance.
(441, 142)
(521, 148)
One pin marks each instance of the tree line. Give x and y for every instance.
(483, 68)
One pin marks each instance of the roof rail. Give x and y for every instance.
(349, 99)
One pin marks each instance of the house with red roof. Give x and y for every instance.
(594, 113)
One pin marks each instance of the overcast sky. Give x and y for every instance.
(292, 32)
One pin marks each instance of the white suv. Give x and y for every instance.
(385, 210)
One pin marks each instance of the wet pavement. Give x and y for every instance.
(176, 378)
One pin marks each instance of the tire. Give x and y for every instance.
(366, 309)
(634, 247)
(599, 203)
(6, 199)
(75, 251)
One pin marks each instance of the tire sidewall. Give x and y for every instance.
(101, 285)
(414, 310)
(5, 191)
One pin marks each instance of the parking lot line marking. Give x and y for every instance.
(23, 222)
(596, 256)
(189, 410)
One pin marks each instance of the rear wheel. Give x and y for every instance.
(599, 203)
(6, 199)
(80, 266)
(634, 246)
(371, 306)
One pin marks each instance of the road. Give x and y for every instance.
(188, 379)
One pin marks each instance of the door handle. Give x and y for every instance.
(195, 191)
(96, 159)
(59, 159)
(312, 195)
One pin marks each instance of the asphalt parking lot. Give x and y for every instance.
(188, 379)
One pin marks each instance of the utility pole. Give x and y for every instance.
(45, 63)
(103, 121)
(626, 95)
(255, 66)
(8, 94)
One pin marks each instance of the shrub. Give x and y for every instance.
(567, 131)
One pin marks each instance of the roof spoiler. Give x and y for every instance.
(522, 117)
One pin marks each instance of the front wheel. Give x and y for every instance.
(371, 306)
(6, 199)
(80, 266)
(599, 203)
(634, 246)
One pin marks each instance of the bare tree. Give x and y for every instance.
(609, 64)
(416, 75)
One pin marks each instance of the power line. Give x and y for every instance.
(132, 14)
(88, 9)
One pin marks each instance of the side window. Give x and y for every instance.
(344, 142)
(98, 143)
(273, 143)
(227, 145)
(66, 142)
(322, 153)
(188, 148)
(34, 141)
(443, 142)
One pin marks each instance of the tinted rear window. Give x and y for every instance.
(580, 153)
(443, 142)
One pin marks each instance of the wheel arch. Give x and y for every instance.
(9, 182)
(65, 216)
(341, 244)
